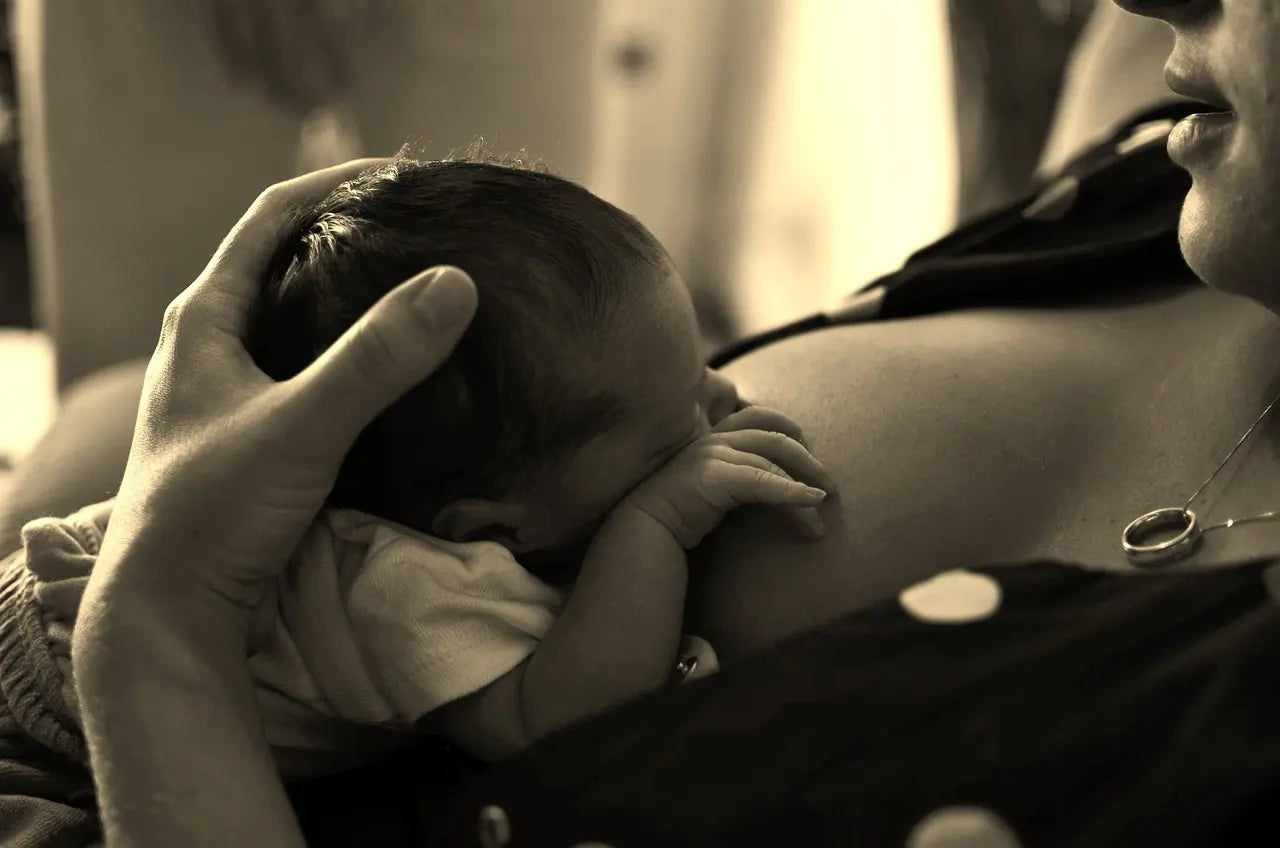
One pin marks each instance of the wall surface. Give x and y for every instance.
(784, 151)
(138, 157)
(855, 167)
(140, 152)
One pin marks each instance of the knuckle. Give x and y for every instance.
(172, 317)
(779, 421)
(760, 478)
(772, 443)
(177, 318)
(705, 476)
(709, 483)
(373, 355)
(777, 438)
(273, 198)
(718, 451)
(777, 470)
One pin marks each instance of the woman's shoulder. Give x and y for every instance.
(967, 438)
(939, 431)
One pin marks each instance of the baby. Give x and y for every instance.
(504, 551)
(535, 497)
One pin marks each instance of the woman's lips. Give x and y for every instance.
(1200, 135)
(1195, 83)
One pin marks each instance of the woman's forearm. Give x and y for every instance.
(619, 633)
(172, 724)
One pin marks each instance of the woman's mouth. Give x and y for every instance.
(1199, 136)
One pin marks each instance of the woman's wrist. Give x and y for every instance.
(134, 604)
(130, 609)
(170, 715)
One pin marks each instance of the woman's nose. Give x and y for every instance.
(721, 399)
(1173, 11)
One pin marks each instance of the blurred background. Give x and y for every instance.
(785, 151)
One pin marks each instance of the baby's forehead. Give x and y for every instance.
(656, 350)
(632, 343)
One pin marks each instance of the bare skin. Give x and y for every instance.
(1041, 434)
(1025, 435)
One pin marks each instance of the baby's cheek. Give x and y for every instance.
(594, 509)
(630, 480)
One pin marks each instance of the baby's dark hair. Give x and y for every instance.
(552, 264)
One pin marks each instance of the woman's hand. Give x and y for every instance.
(226, 471)
(751, 456)
(227, 467)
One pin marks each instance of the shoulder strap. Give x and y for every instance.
(1107, 220)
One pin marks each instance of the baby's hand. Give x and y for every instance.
(751, 456)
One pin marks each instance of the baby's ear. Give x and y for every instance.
(477, 519)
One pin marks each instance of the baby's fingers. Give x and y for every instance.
(784, 451)
(753, 480)
(799, 500)
(759, 418)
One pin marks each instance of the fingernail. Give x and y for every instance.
(813, 522)
(448, 297)
(495, 827)
(814, 494)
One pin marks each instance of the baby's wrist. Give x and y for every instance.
(632, 527)
(632, 522)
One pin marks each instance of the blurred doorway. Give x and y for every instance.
(856, 166)
(785, 152)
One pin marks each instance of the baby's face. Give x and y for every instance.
(653, 358)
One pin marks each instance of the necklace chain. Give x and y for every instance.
(1183, 519)
(1230, 522)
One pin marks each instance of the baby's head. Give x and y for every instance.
(582, 373)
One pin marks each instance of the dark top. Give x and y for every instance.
(1036, 705)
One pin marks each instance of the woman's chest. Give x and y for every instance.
(988, 437)
(1175, 420)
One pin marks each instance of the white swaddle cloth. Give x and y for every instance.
(379, 625)
(376, 626)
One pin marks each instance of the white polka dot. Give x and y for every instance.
(962, 827)
(1271, 580)
(1054, 201)
(1152, 132)
(953, 597)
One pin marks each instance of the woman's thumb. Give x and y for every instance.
(398, 343)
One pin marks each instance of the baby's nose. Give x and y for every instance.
(722, 397)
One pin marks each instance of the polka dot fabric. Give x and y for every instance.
(1040, 705)
(962, 827)
(1034, 706)
(953, 597)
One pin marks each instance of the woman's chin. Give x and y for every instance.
(1233, 269)
(1228, 237)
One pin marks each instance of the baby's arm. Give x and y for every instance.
(619, 632)
(616, 638)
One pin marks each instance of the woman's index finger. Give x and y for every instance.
(229, 284)
(247, 249)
